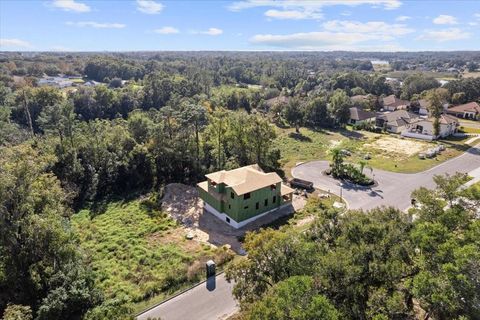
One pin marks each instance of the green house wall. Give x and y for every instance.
(238, 208)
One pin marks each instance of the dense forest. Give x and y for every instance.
(157, 118)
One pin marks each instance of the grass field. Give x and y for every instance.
(315, 145)
(139, 254)
(469, 130)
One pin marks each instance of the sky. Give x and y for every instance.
(247, 25)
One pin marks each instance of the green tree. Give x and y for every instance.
(294, 114)
(295, 298)
(340, 105)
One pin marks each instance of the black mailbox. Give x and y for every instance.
(210, 265)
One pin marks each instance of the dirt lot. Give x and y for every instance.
(400, 146)
(182, 203)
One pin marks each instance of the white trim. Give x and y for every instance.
(223, 216)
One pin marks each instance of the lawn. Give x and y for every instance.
(387, 152)
(140, 254)
(469, 129)
(309, 145)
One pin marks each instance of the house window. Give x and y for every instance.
(274, 199)
(227, 219)
(266, 202)
(232, 195)
(246, 207)
(246, 196)
(257, 205)
(229, 207)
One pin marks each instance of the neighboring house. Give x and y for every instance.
(392, 103)
(395, 121)
(424, 128)
(423, 107)
(359, 116)
(242, 195)
(469, 110)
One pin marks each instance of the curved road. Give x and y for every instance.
(394, 189)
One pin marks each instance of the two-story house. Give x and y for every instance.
(242, 195)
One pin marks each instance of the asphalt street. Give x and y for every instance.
(207, 301)
(394, 189)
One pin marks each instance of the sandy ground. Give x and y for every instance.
(183, 204)
(400, 146)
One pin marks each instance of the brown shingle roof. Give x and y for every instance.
(359, 114)
(468, 107)
(392, 101)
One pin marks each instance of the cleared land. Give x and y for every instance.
(387, 152)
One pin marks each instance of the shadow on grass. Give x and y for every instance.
(299, 137)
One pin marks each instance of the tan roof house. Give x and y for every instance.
(242, 195)
(359, 116)
(396, 121)
(424, 128)
(469, 110)
(392, 103)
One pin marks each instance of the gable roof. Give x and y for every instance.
(398, 115)
(360, 114)
(392, 101)
(245, 179)
(467, 107)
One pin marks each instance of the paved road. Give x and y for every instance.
(209, 301)
(394, 189)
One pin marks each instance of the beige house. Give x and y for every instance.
(396, 121)
(392, 103)
(469, 110)
(359, 116)
(424, 128)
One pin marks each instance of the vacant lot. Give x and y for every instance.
(392, 145)
(140, 254)
(387, 152)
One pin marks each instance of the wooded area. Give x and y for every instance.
(159, 118)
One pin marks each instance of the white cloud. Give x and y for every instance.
(374, 28)
(97, 25)
(324, 40)
(149, 6)
(403, 18)
(209, 32)
(445, 19)
(167, 30)
(477, 15)
(293, 14)
(444, 35)
(311, 40)
(340, 35)
(308, 4)
(71, 5)
(346, 13)
(14, 43)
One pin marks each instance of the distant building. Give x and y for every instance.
(395, 122)
(242, 195)
(424, 128)
(469, 110)
(359, 116)
(392, 103)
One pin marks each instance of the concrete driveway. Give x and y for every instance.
(210, 300)
(394, 189)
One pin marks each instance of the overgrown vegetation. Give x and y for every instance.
(368, 265)
(136, 253)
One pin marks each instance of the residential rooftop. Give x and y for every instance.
(245, 179)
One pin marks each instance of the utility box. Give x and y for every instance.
(210, 265)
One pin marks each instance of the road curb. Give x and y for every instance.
(175, 295)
